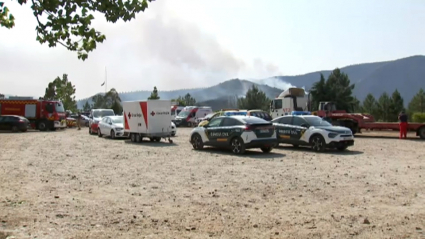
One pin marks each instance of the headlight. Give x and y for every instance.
(332, 135)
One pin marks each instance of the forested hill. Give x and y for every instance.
(228, 90)
(406, 74)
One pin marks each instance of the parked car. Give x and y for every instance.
(112, 126)
(14, 123)
(189, 115)
(84, 121)
(260, 114)
(173, 129)
(71, 122)
(236, 132)
(313, 131)
(223, 112)
(96, 116)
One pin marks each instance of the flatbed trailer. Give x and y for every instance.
(419, 128)
(358, 121)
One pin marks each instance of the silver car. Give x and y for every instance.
(111, 126)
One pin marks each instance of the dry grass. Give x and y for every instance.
(69, 184)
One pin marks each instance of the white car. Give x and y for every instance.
(173, 129)
(313, 131)
(111, 126)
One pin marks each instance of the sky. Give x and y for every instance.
(180, 44)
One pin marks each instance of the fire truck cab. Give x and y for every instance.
(42, 114)
(292, 99)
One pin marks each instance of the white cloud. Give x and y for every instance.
(160, 48)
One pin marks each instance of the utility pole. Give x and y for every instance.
(106, 81)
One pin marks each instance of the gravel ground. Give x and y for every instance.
(69, 184)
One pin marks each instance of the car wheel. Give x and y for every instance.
(266, 149)
(112, 134)
(15, 129)
(342, 147)
(197, 143)
(99, 133)
(173, 134)
(237, 145)
(317, 143)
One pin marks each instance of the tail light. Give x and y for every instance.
(249, 128)
(21, 121)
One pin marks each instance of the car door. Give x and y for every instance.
(2, 123)
(283, 129)
(108, 124)
(212, 131)
(299, 127)
(8, 122)
(102, 124)
(228, 129)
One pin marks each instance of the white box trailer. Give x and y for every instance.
(147, 119)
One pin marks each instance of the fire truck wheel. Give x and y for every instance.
(112, 134)
(15, 129)
(42, 126)
(99, 134)
(421, 132)
(132, 137)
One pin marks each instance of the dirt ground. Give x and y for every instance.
(69, 184)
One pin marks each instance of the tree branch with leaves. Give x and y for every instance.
(69, 22)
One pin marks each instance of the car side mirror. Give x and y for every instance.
(110, 123)
(305, 125)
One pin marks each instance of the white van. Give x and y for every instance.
(190, 115)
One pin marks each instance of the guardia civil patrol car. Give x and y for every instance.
(311, 130)
(237, 132)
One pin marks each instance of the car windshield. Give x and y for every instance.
(317, 121)
(102, 113)
(184, 113)
(59, 107)
(117, 120)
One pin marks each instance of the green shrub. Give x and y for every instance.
(418, 117)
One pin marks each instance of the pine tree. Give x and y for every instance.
(154, 94)
(417, 104)
(397, 105)
(370, 105)
(254, 99)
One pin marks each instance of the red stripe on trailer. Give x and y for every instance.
(126, 122)
(144, 106)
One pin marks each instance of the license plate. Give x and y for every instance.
(264, 131)
(346, 138)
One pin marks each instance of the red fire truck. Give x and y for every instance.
(43, 114)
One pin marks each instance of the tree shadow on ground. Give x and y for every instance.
(148, 143)
(307, 149)
(249, 153)
(409, 138)
(31, 131)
